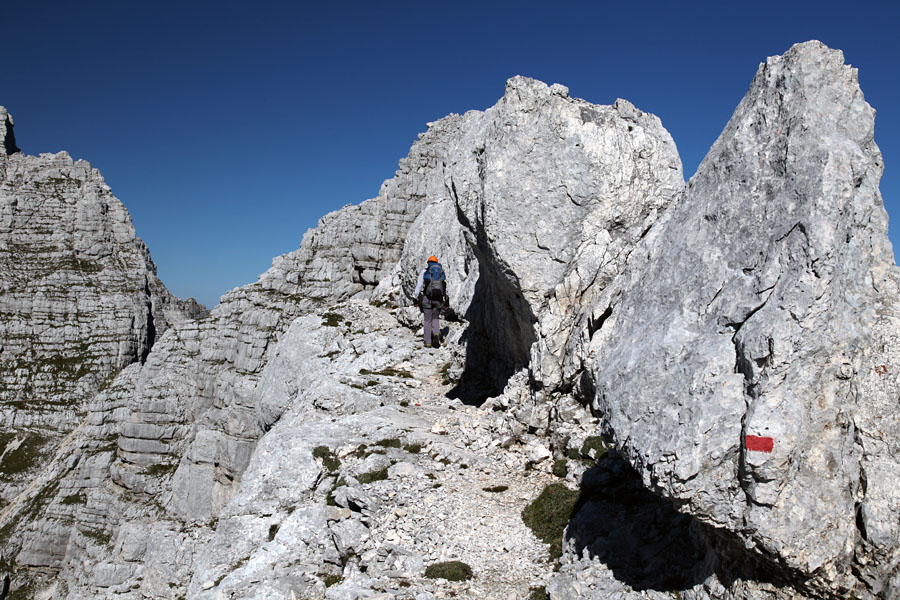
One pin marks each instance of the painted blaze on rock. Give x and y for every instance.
(757, 443)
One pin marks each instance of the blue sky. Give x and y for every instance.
(228, 128)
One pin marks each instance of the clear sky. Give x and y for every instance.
(228, 128)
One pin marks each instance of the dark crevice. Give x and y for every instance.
(861, 522)
(9, 142)
(500, 333)
(151, 327)
(595, 326)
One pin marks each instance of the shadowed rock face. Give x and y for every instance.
(736, 337)
(7, 138)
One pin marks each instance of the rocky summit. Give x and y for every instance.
(646, 389)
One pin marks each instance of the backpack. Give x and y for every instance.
(434, 281)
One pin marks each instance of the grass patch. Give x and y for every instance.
(372, 476)
(389, 443)
(388, 372)
(331, 319)
(100, 536)
(549, 513)
(160, 470)
(331, 354)
(73, 499)
(538, 593)
(593, 449)
(560, 467)
(452, 570)
(329, 460)
(496, 489)
(413, 448)
(330, 579)
(25, 457)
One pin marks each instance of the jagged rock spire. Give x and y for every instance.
(7, 138)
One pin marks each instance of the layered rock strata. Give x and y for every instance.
(167, 443)
(79, 298)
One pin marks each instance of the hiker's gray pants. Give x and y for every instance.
(432, 314)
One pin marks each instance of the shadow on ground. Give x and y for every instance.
(644, 541)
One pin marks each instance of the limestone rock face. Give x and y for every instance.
(742, 360)
(542, 197)
(173, 438)
(79, 299)
(715, 366)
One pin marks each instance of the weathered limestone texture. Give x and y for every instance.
(743, 365)
(175, 435)
(714, 365)
(542, 196)
(79, 299)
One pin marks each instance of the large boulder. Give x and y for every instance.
(745, 364)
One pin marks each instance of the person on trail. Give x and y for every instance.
(431, 296)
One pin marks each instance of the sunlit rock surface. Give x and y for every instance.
(733, 340)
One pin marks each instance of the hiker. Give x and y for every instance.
(431, 296)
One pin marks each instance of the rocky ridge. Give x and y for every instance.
(749, 315)
(80, 301)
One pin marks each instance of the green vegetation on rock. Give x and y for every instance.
(329, 460)
(372, 476)
(549, 513)
(388, 372)
(560, 468)
(389, 443)
(452, 570)
(331, 319)
(593, 449)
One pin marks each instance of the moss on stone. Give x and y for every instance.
(372, 476)
(160, 469)
(549, 513)
(25, 456)
(451, 570)
(329, 460)
(388, 372)
(389, 443)
(560, 467)
(331, 319)
(538, 593)
(73, 499)
(593, 449)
